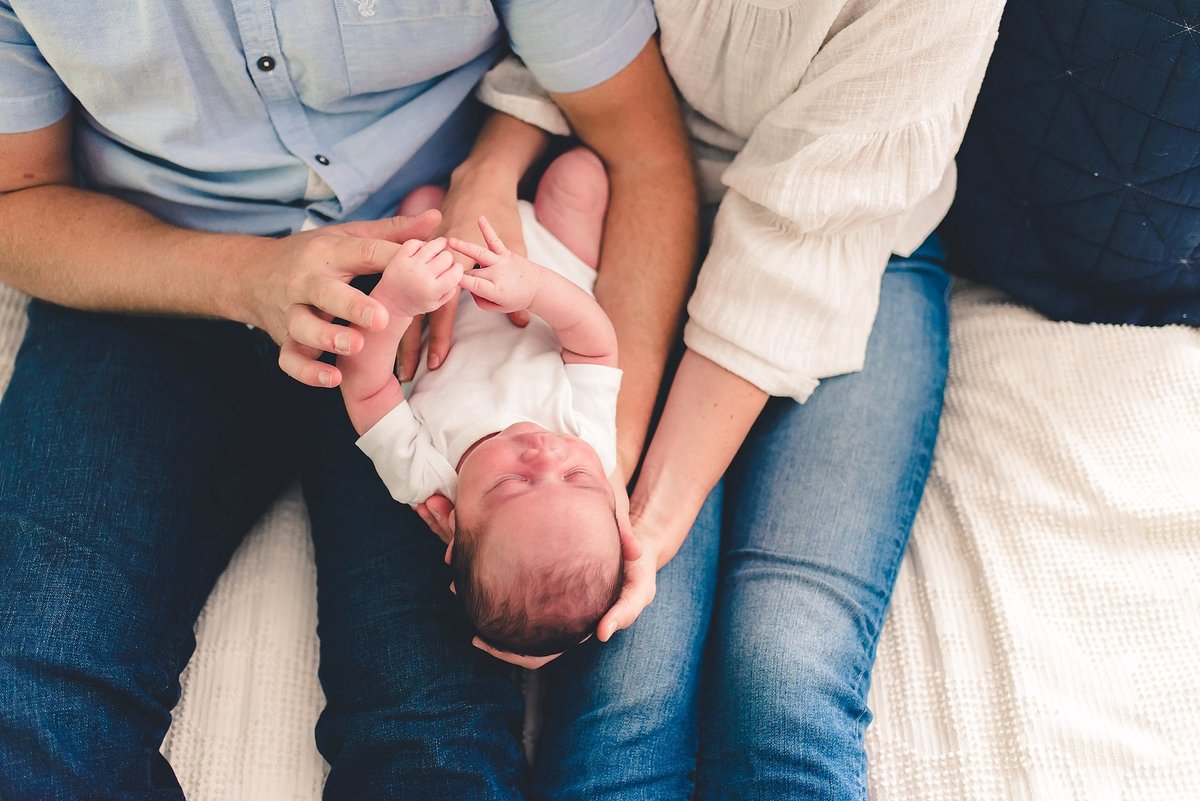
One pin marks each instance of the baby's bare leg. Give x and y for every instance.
(571, 201)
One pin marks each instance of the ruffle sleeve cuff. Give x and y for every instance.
(782, 308)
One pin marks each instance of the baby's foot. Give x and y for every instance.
(571, 201)
(421, 199)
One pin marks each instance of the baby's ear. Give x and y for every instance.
(450, 542)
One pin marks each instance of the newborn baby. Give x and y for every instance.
(517, 428)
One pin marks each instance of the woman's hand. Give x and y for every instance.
(641, 569)
(297, 285)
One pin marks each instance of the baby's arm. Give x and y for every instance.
(421, 278)
(509, 282)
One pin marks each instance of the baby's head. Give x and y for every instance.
(537, 550)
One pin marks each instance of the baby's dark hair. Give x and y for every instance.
(567, 600)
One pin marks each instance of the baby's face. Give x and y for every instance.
(531, 483)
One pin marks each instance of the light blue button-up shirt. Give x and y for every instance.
(255, 115)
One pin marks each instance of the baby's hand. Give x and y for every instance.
(506, 281)
(420, 278)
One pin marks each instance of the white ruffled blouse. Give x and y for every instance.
(826, 130)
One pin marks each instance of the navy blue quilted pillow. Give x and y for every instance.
(1079, 187)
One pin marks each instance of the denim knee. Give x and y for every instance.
(84, 700)
(785, 704)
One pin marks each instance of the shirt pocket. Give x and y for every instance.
(389, 44)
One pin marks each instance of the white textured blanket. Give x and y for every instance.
(1041, 639)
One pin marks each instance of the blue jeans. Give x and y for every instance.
(747, 677)
(134, 455)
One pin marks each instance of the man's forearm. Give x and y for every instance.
(91, 251)
(632, 121)
(647, 257)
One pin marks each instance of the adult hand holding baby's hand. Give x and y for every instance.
(461, 207)
(506, 281)
(302, 282)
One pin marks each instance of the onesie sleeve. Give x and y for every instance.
(31, 94)
(406, 459)
(826, 186)
(594, 389)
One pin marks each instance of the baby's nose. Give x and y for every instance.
(542, 449)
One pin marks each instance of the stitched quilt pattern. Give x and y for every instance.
(1079, 176)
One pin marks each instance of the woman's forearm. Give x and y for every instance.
(708, 414)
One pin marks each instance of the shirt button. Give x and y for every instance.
(266, 63)
(322, 160)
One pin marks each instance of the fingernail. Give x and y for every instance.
(341, 342)
(326, 378)
(435, 361)
(367, 315)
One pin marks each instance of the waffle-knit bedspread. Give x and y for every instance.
(1043, 636)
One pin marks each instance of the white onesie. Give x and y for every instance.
(495, 375)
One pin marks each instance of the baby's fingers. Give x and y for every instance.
(491, 237)
(442, 262)
(431, 249)
(480, 255)
(450, 280)
(477, 284)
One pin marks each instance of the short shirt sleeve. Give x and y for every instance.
(406, 459)
(31, 94)
(571, 45)
(594, 389)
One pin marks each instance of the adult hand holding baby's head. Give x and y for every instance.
(636, 593)
(641, 570)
